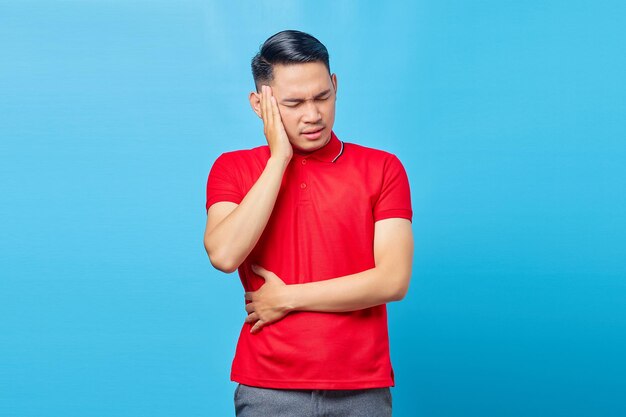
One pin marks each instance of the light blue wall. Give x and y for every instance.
(508, 116)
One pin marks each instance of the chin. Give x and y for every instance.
(311, 146)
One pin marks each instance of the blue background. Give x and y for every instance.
(508, 116)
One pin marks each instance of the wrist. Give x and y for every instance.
(291, 297)
(281, 161)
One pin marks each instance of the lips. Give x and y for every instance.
(313, 131)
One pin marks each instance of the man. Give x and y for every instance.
(320, 233)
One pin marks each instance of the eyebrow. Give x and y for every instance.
(298, 100)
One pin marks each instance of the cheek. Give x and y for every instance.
(289, 119)
(329, 107)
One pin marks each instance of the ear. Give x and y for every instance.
(333, 78)
(255, 102)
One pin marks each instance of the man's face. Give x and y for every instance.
(306, 96)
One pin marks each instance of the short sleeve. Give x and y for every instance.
(222, 184)
(394, 199)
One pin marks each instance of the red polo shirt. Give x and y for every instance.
(321, 227)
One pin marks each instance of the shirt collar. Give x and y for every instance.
(327, 153)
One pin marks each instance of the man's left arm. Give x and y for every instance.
(387, 281)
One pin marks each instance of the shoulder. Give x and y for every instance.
(239, 156)
(243, 164)
(370, 154)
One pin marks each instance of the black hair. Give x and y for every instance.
(286, 47)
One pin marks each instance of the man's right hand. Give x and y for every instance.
(233, 230)
(275, 133)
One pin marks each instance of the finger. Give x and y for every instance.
(275, 111)
(263, 112)
(269, 114)
(249, 307)
(252, 317)
(257, 326)
(259, 270)
(263, 273)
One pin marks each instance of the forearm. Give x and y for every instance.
(233, 239)
(348, 293)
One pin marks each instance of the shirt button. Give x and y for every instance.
(304, 162)
(303, 185)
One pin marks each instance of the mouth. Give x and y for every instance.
(313, 134)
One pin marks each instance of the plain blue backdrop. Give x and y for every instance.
(508, 116)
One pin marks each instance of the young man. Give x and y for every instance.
(320, 233)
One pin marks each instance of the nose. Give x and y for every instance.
(311, 112)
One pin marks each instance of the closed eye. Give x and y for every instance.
(297, 104)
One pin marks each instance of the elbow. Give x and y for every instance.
(400, 291)
(218, 260)
(399, 294)
(224, 267)
(222, 264)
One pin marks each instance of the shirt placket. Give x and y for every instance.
(304, 182)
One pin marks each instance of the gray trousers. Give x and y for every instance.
(269, 402)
